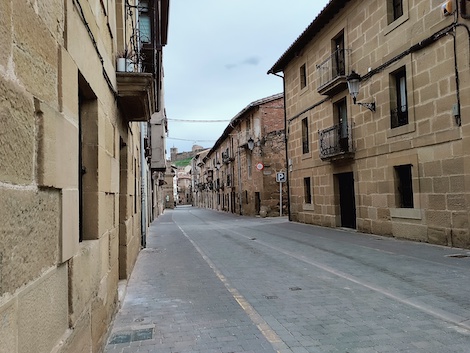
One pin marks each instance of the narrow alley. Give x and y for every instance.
(215, 282)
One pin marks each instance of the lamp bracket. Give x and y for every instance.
(370, 106)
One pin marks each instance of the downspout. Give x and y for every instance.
(239, 180)
(285, 145)
(143, 185)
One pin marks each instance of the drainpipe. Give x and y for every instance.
(285, 145)
(143, 183)
(239, 180)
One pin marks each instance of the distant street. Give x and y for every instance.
(215, 282)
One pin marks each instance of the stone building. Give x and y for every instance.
(72, 162)
(238, 174)
(392, 157)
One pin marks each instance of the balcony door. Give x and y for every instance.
(339, 68)
(342, 123)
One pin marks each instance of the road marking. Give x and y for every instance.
(255, 317)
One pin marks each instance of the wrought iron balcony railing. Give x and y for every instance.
(332, 72)
(337, 142)
(399, 116)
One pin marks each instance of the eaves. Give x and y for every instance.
(322, 20)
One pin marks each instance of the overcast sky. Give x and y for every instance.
(216, 60)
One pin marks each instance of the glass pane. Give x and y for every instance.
(145, 29)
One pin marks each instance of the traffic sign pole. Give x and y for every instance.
(280, 178)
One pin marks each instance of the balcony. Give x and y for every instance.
(332, 73)
(226, 158)
(136, 95)
(336, 143)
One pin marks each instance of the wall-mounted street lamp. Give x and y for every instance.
(251, 144)
(354, 82)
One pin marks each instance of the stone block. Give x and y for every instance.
(381, 228)
(52, 14)
(31, 34)
(453, 166)
(68, 86)
(30, 231)
(43, 312)
(461, 238)
(460, 220)
(79, 340)
(432, 169)
(438, 218)
(9, 327)
(456, 202)
(17, 134)
(383, 214)
(38, 75)
(437, 235)
(410, 231)
(6, 35)
(91, 215)
(441, 185)
(100, 319)
(107, 210)
(85, 278)
(436, 202)
(70, 224)
(104, 172)
(57, 148)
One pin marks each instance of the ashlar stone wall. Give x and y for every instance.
(432, 143)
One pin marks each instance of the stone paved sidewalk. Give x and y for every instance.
(176, 303)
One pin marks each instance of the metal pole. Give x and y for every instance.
(280, 199)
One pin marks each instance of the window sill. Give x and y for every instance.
(308, 207)
(397, 23)
(406, 213)
(401, 130)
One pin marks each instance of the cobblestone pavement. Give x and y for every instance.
(214, 282)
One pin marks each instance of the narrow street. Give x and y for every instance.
(215, 282)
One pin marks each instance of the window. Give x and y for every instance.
(145, 28)
(339, 67)
(397, 9)
(87, 157)
(398, 99)
(303, 76)
(404, 186)
(305, 139)
(307, 190)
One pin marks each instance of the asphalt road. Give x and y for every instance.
(215, 282)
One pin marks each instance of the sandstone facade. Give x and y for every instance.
(71, 169)
(401, 169)
(238, 174)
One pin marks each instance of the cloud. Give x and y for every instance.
(250, 61)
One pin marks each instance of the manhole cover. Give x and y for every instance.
(119, 338)
(458, 256)
(132, 336)
(271, 296)
(295, 288)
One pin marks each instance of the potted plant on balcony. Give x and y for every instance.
(124, 61)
